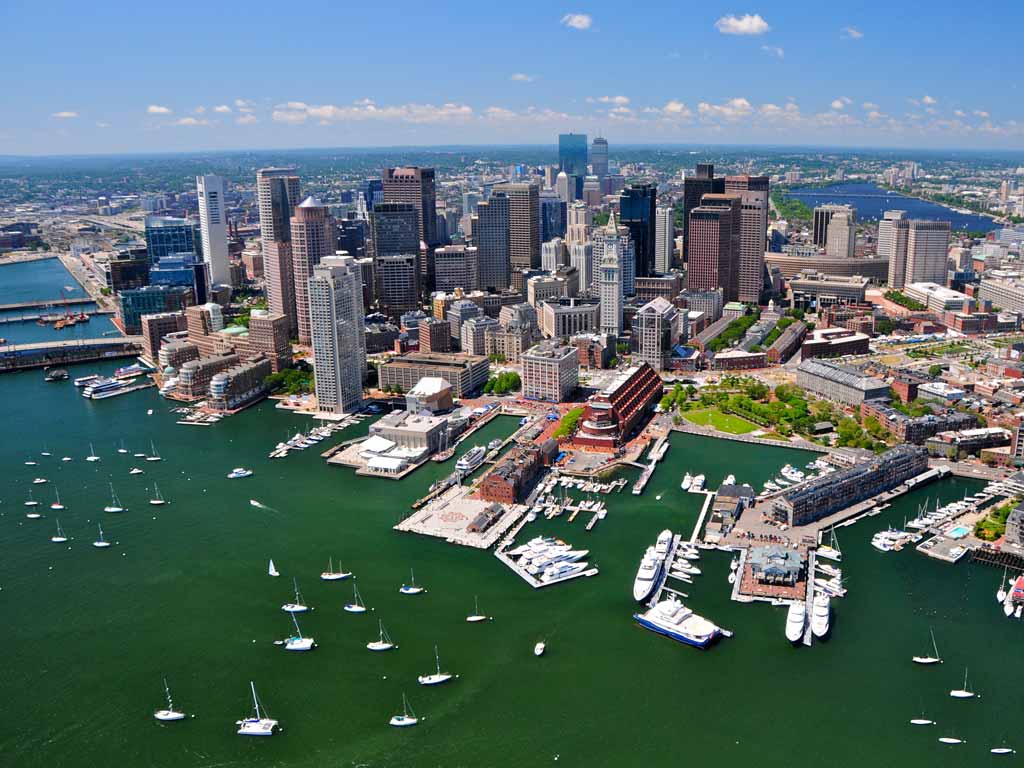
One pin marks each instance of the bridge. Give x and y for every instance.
(45, 303)
(20, 357)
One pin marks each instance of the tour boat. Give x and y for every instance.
(157, 499)
(332, 575)
(271, 569)
(963, 693)
(40, 481)
(239, 472)
(936, 659)
(472, 459)
(476, 616)
(407, 718)
(298, 606)
(92, 454)
(57, 505)
(383, 642)
(153, 455)
(298, 642)
(796, 617)
(411, 588)
(260, 724)
(135, 471)
(356, 606)
(115, 503)
(170, 714)
(31, 501)
(437, 677)
(61, 537)
(101, 543)
(539, 648)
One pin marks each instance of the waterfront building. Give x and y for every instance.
(832, 381)
(822, 217)
(313, 237)
(473, 334)
(435, 335)
(397, 283)
(550, 372)
(816, 291)
(664, 238)
(753, 193)
(491, 236)
(611, 416)
(776, 565)
(269, 336)
(610, 290)
(637, 213)
(431, 395)
(523, 229)
(834, 342)
(154, 328)
(916, 429)
(149, 300)
(240, 385)
(337, 329)
(415, 186)
(167, 235)
(834, 492)
(456, 266)
(714, 241)
(278, 193)
(467, 374)
(656, 331)
(414, 433)
(194, 377)
(567, 316)
(1014, 536)
(599, 156)
(695, 186)
(174, 354)
(509, 481)
(213, 225)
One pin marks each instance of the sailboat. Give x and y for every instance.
(476, 615)
(1003, 750)
(122, 449)
(831, 551)
(57, 506)
(31, 501)
(929, 659)
(101, 543)
(356, 606)
(963, 693)
(135, 471)
(951, 740)
(272, 570)
(260, 724)
(411, 588)
(157, 499)
(40, 481)
(332, 575)
(298, 642)
(383, 642)
(92, 454)
(61, 537)
(438, 677)
(115, 503)
(170, 714)
(297, 606)
(922, 721)
(153, 455)
(1001, 592)
(407, 718)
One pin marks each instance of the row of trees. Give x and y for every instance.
(503, 383)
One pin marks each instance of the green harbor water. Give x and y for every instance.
(184, 593)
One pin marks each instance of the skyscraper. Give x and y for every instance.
(579, 219)
(393, 229)
(277, 193)
(398, 286)
(614, 237)
(552, 216)
(636, 212)
(167, 236)
(599, 157)
(490, 234)
(702, 182)
(753, 193)
(565, 187)
(339, 346)
(714, 244)
(415, 185)
(213, 223)
(523, 228)
(313, 238)
(572, 157)
(841, 238)
(664, 238)
(581, 256)
(822, 217)
(927, 251)
(609, 282)
(657, 330)
(892, 245)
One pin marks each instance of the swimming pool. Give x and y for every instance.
(958, 532)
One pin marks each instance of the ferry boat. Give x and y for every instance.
(238, 472)
(130, 371)
(471, 459)
(104, 388)
(673, 619)
(796, 618)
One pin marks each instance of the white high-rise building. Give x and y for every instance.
(213, 223)
(565, 190)
(338, 334)
(581, 256)
(892, 245)
(609, 281)
(927, 251)
(841, 236)
(617, 238)
(664, 240)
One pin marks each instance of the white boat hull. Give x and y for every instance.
(168, 715)
(335, 576)
(253, 727)
(299, 644)
(411, 590)
(435, 679)
(475, 619)
(401, 721)
(351, 608)
(294, 608)
(378, 645)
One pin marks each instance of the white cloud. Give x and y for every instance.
(295, 112)
(746, 24)
(981, 113)
(959, 113)
(521, 77)
(676, 109)
(851, 33)
(577, 20)
(200, 110)
(66, 115)
(789, 112)
(619, 101)
(222, 109)
(869, 105)
(156, 109)
(247, 120)
(929, 100)
(191, 121)
(733, 109)
(529, 115)
(774, 50)
(874, 114)
(842, 102)
(243, 106)
(102, 124)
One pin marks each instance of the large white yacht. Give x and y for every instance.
(472, 459)
(647, 575)
(673, 619)
(796, 618)
(820, 615)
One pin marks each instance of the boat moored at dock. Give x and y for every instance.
(674, 620)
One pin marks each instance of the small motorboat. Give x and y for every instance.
(539, 648)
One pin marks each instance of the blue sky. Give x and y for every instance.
(114, 76)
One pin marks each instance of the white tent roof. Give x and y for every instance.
(376, 444)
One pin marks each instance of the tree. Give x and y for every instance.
(935, 370)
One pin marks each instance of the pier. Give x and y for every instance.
(20, 357)
(46, 303)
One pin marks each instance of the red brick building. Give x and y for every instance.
(510, 479)
(612, 414)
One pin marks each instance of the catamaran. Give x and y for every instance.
(298, 606)
(153, 455)
(356, 606)
(101, 543)
(92, 454)
(115, 503)
(157, 499)
(383, 642)
(170, 714)
(963, 693)
(438, 677)
(272, 570)
(260, 725)
(831, 551)
(407, 718)
(57, 506)
(411, 588)
(61, 537)
(936, 659)
(298, 642)
(476, 615)
(332, 575)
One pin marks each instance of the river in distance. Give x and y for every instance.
(184, 593)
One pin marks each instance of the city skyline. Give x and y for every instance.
(770, 75)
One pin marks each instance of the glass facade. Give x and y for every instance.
(166, 236)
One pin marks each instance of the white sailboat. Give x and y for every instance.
(61, 537)
(92, 454)
(272, 570)
(356, 606)
(135, 471)
(437, 677)
(122, 449)
(31, 501)
(951, 740)
(40, 481)
(57, 506)
(963, 693)
(260, 724)
(1001, 592)
(115, 503)
(332, 575)
(831, 551)
(101, 543)
(383, 642)
(936, 659)
(170, 714)
(298, 642)
(476, 615)
(153, 455)
(158, 499)
(411, 588)
(1003, 750)
(297, 606)
(922, 721)
(407, 718)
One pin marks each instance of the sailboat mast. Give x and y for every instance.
(255, 701)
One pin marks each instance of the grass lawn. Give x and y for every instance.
(724, 422)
